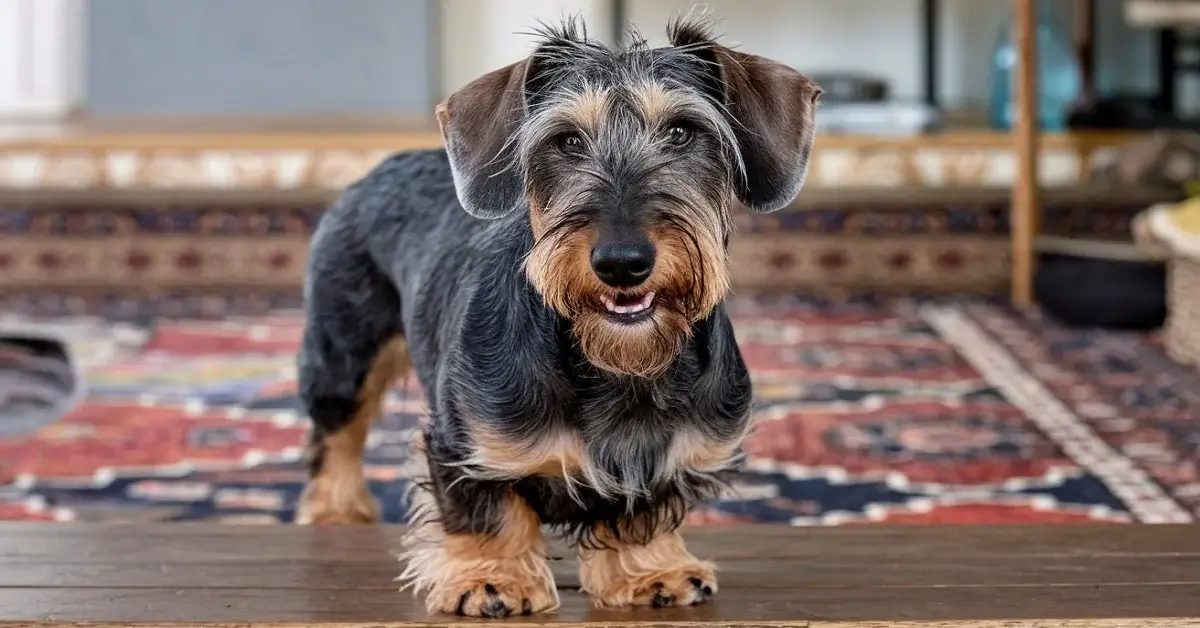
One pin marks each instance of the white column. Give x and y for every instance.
(42, 50)
(478, 36)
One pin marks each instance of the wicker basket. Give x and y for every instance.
(1173, 232)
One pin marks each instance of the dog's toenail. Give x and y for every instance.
(462, 603)
(489, 589)
(696, 582)
(707, 590)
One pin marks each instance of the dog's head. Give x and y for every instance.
(629, 162)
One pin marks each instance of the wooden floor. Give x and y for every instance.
(1137, 576)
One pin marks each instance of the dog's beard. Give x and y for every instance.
(689, 281)
(644, 349)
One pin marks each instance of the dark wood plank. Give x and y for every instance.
(91, 543)
(117, 544)
(875, 576)
(327, 573)
(909, 542)
(207, 606)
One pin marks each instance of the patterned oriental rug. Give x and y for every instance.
(906, 411)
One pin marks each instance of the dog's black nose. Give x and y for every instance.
(623, 265)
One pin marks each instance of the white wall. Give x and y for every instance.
(41, 69)
(482, 35)
(882, 37)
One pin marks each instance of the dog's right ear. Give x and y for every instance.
(477, 124)
(772, 107)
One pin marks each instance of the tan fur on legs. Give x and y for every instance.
(660, 573)
(480, 575)
(338, 493)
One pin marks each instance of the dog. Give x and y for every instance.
(554, 277)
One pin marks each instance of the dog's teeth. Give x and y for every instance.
(632, 308)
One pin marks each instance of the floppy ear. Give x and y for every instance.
(477, 123)
(773, 108)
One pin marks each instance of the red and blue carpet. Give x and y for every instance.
(898, 411)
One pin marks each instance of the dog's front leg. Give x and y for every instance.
(660, 572)
(475, 548)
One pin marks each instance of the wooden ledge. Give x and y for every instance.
(395, 133)
(812, 197)
(286, 153)
(949, 577)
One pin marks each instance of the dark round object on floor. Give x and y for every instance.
(1088, 291)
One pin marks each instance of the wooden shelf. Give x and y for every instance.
(396, 133)
(291, 153)
(393, 139)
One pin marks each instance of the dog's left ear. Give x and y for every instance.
(477, 124)
(774, 109)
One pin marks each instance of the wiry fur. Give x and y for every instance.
(542, 407)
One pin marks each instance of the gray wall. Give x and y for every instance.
(261, 57)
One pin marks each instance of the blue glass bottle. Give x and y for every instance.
(1059, 77)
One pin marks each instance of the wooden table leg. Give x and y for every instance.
(1025, 202)
(1085, 45)
(930, 13)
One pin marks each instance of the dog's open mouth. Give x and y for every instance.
(629, 308)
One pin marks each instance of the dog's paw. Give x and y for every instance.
(320, 505)
(484, 599)
(686, 586)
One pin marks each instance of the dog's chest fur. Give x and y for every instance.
(615, 436)
(522, 405)
(618, 447)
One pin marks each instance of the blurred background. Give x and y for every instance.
(164, 162)
(236, 100)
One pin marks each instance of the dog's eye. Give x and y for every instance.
(679, 135)
(570, 143)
